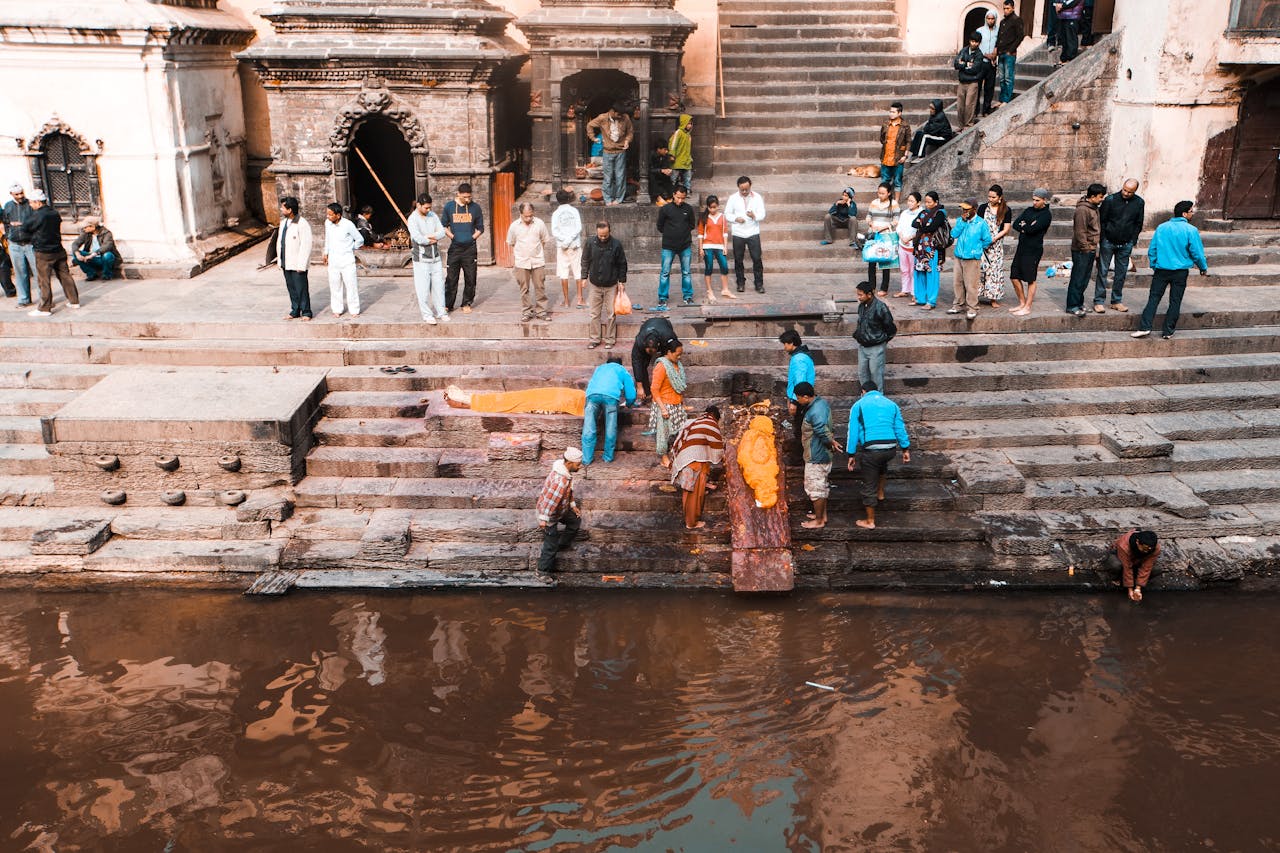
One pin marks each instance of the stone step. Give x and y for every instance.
(52, 376)
(765, 35)
(23, 459)
(1256, 453)
(843, 562)
(1216, 426)
(832, 43)
(52, 350)
(18, 430)
(855, 75)
(28, 402)
(24, 490)
(142, 557)
(1246, 485)
(890, 60)
(1018, 432)
(333, 461)
(171, 523)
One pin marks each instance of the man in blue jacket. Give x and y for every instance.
(609, 385)
(876, 433)
(1175, 248)
(818, 442)
(972, 237)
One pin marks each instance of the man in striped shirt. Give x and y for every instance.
(556, 506)
(697, 447)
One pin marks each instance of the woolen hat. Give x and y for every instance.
(572, 454)
(1041, 192)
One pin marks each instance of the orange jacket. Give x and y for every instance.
(662, 390)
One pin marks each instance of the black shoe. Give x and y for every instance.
(1166, 337)
(759, 290)
(742, 288)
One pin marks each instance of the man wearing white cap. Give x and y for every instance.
(16, 214)
(44, 231)
(94, 251)
(556, 506)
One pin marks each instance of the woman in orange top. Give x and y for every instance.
(667, 414)
(713, 237)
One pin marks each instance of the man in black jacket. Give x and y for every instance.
(875, 329)
(651, 342)
(44, 232)
(1120, 217)
(971, 67)
(1008, 40)
(605, 264)
(676, 222)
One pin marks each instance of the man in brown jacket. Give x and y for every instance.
(614, 130)
(1086, 230)
(895, 136)
(1131, 559)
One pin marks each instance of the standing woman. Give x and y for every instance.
(667, 414)
(881, 214)
(998, 218)
(713, 238)
(1031, 224)
(927, 257)
(906, 234)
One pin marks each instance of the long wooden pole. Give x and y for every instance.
(381, 185)
(720, 69)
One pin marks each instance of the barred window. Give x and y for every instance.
(68, 176)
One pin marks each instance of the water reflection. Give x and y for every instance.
(652, 722)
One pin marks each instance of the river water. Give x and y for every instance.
(634, 721)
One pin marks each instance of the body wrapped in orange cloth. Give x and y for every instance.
(551, 401)
(758, 459)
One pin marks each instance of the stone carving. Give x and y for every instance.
(376, 102)
(535, 99)
(35, 144)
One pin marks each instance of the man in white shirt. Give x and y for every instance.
(425, 234)
(528, 237)
(566, 229)
(341, 239)
(987, 44)
(745, 212)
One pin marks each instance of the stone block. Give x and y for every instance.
(80, 537)
(987, 472)
(1166, 492)
(1207, 562)
(514, 446)
(264, 508)
(387, 536)
(1131, 437)
(246, 530)
(1252, 553)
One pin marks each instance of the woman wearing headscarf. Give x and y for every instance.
(667, 413)
(936, 131)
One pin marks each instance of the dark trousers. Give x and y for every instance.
(6, 275)
(872, 465)
(751, 244)
(884, 276)
(988, 89)
(1069, 38)
(922, 144)
(299, 288)
(50, 264)
(462, 259)
(555, 540)
(1081, 272)
(1175, 281)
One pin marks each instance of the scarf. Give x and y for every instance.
(675, 375)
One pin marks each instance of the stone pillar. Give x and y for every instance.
(421, 174)
(557, 142)
(341, 183)
(642, 190)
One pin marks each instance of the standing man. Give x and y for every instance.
(1085, 234)
(293, 253)
(610, 385)
(556, 506)
(676, 224)
(988, 35)
(16, 215)
(968, 64)
(799, 365)
(1069, 13)
(681, 148)
(876, 432)
(745, 211)
(1174, 249)
(425, 233)
(817, 442)
(1008, 40)
(566, 230)
(614, 131)
(463, 221)
(94, 251)
(605, 263)
(972, 237)
(43, 230)
(341, 239)
(874, 331)
(528, 237)
(1120, 217)
(895, 139)
(651, 341)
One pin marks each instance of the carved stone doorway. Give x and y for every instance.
(388, 152)
(588, 94)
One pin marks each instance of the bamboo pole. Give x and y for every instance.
(720, 70)
(381, 185)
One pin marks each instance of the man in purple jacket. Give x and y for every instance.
(1069, 14)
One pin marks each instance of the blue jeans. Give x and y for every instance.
(102, 267)
(664, 278)
(891, 175)
(682, 178)
(23, 256)
(597, 403)
(1081, 271)
(711, 257)
(1008, 63)
(615, 176)
(1106, 251)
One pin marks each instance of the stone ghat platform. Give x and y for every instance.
(1035, 441)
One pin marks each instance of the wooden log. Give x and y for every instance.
(761, 538)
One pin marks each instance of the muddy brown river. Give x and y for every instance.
(180, 721)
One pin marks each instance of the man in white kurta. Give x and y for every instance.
(341, 239)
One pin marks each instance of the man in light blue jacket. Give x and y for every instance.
(876, 433)
(609, 386)
(972, 237)
(1175, 248)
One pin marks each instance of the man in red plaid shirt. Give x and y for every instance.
(556, 506)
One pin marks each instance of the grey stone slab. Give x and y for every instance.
(1088, 460)
(1246, 485)
(387, 535)
(246, 530)
(418, 578)
(1198, 426)
(1262, 421)
(987, 472)
(1207, 561)
(80, 537)
(1167, 493)
(1131, 437)
(135, 556)
(268, 507)
(1224, 455)
(1253, 553)
(1085, 493)
(514, 446)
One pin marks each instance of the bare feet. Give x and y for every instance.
(698, 526)
(457, 398)
(814, 524)
(866, 525)
(666, 461)
(995, 304)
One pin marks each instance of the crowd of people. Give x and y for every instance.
(32, 252)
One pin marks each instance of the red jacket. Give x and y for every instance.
(1131, 561)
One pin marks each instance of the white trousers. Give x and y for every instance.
(342, 277)
(428, 281)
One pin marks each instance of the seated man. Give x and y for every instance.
(1131, 559)
(364, 224)
(531, 401)
(935, 133)
(94, 251)
(661, 182)
(843, 215)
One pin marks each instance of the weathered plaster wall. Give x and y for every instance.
(257, 117)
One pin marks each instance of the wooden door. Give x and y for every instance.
(1255, 170)
(504, 197)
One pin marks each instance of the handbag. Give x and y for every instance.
(882, 250)
(622, 302)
